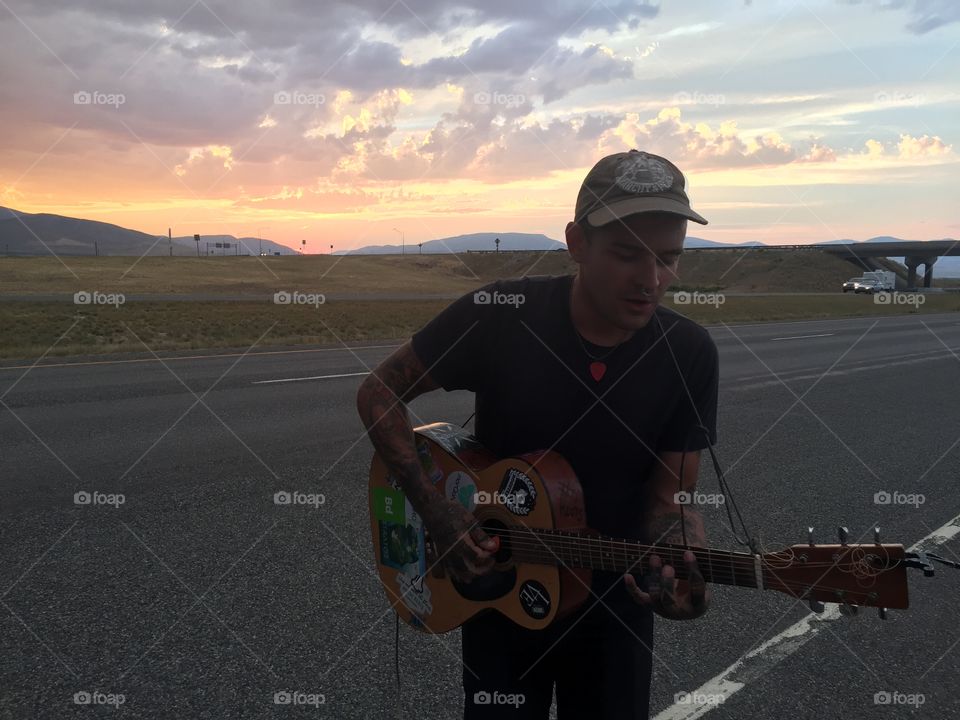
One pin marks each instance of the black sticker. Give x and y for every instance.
(535, 599)
(517, 492)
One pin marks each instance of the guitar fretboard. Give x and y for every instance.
(600, 552)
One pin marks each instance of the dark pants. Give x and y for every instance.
(600, 667)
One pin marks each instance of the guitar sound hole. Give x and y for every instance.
(496, 583)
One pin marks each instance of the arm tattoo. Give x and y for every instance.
(666, 526)
(381, 404)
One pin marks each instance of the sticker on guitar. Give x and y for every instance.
(517, 492)
(461, 488)
(535, 599)
(414, 593)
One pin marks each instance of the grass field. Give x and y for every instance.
(31, 328)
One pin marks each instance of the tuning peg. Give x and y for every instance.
(810, 536)
(816, 606)
(876, 535)
(882, 612)
(847, 609)
(842, 533)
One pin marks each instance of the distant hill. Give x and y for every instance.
(695, 242)
(42, 233)
(463, 243)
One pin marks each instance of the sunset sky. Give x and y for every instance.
(339, 122)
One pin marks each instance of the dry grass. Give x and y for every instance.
(30, 329)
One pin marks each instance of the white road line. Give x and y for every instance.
(194, 357)
(801, 337)
(760, 660)
(312, 377)
(742, 384)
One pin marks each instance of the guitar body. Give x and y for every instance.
(534, 490)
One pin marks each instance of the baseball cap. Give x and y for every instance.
(632, 182)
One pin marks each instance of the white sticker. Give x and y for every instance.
(461, 488)
(413, 519)
(415, 593)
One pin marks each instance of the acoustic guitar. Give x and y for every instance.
(534, 504)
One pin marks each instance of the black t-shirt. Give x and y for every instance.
(534, 388)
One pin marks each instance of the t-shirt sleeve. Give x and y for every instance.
(694, 426)
(454, 344)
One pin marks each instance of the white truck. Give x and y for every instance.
(886, 279)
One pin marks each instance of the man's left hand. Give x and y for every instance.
(669, 597)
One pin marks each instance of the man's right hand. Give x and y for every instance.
(465, 550)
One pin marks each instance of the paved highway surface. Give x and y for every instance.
(199, 597)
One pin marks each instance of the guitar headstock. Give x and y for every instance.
(873, 575)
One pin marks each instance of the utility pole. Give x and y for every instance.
(170, 239)
(196, 239)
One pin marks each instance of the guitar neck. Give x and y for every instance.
(599, 552)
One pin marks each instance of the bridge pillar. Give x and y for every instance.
(912, 263)
(928, 271)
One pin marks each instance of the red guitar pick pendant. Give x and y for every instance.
(597, 369)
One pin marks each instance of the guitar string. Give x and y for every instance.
(725, 569)
(593, 543)
(801, 589)
(857, 562)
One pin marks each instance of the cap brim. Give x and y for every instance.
(633, 206)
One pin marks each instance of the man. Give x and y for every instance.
(594, 368)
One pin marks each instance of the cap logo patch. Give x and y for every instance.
(640, 173)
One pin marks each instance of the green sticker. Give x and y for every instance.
(389, 505)
(398, 545)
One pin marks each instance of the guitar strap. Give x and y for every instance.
(749, 539)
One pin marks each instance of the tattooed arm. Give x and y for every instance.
(381, 403)
(669, 597)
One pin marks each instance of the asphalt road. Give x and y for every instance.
(199, 597)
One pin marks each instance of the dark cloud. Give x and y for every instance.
(926, 15)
